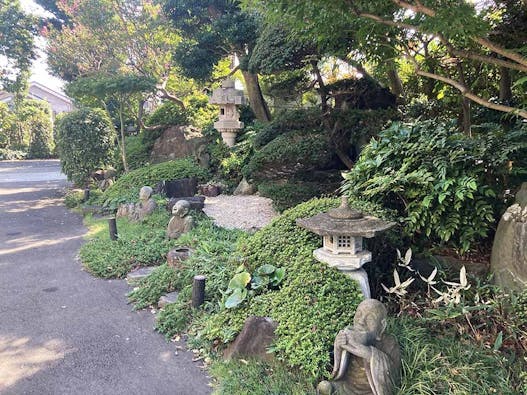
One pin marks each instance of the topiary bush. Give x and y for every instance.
(291, 193)
(449, 188)
(305, 119)
(126, 188)
(289, 154)
(85, 142)
(313, 302)
(41, 144)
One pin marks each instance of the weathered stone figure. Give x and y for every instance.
(367, 361)
(181, 222)
(137, 212)
(508, 262)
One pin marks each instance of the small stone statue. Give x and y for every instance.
(138, 212)
(181, 222)
(367, 361)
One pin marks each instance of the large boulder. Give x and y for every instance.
(509, 251)
(180, 142)
(254, 339)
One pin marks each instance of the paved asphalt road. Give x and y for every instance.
(63, 331)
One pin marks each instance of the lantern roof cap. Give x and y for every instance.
(227, 94)
(344, 221)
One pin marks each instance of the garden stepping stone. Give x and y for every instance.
(137, 275)
(167, 299)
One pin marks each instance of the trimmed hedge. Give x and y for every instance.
(126, 188)
(289, 154)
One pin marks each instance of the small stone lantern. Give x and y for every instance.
(228, 98)
(342, 230)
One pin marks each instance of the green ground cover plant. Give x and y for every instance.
(437, 361)
(259, 378)
(214, 255)
(139, 244)
(212, 250)
(311, 304)
(126, 188)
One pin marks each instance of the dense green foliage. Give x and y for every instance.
(291, 193)
(289, 154)
(168, 114)
(139, 244)
(162, 280)
(9, 154)
(447, 186)
(259, 378)
(41, 142)
(312, 303)
(436, 363)
(214, 255)
(17, 31)
(85, 142)
(126, 188)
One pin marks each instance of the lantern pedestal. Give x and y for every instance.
(228, 137)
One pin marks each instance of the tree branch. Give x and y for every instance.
(231, 73)
(480, 40)
(169, 96)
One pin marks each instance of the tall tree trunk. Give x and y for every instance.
(123, 148)
(396, 86)
(258, 104)
(505, 85)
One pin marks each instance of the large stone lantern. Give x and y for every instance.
(342, 230)
(228, 98)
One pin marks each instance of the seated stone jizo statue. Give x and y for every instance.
(366, 361)
(181, 221)
(138, 211)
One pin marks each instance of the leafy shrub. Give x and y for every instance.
(168, 114)
(137, 153)
(291, 193)
(85, 141)
(73, 198)
(448, 187)
(308, 119)
(7, 119)
(41, 142)
(9, 154)
(289, 154)
(127, 187)
(313, 302)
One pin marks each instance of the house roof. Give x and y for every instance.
(6, 96)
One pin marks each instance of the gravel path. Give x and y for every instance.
(242, 212)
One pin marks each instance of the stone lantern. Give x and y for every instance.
(228, 98)
(342, 230)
